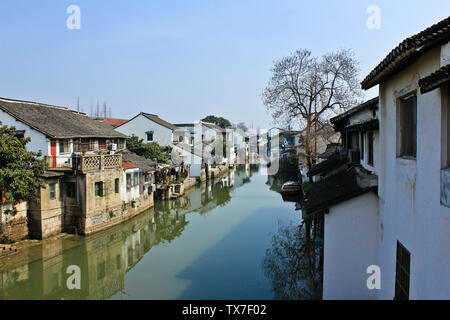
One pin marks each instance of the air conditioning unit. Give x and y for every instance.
(114, 147)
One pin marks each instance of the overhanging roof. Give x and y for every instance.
(407, 51)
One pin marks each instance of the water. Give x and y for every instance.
(209, 244)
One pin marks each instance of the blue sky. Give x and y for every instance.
(184, 60)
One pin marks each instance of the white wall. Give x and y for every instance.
(350, 246)
(39, 141)
(133, 193)
(141, 124)
(190, 159)
(410, 209)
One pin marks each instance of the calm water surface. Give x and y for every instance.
(209, 244)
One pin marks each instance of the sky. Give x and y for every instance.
(184, 60)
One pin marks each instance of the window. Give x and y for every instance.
(180, 138)
(370, 151)
(129, 180)
(100, 189)
(407, 127)
(402, 273)
(116, 186)
(52, 188)
(63, 146)
(136, 179)
(70, 190)
(149, 136)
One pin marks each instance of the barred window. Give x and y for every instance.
(402, 275)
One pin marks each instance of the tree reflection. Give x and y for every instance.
(293, 264)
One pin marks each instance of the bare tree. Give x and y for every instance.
(306, 91)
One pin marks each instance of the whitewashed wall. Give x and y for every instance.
(39, 141)
(410, 209)
(141, 124)
(350, 246)
(132, 193)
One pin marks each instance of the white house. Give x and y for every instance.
(191, 157)
(346, 197)
(132, 175)
(150, 128)
(203, 134)
(414, 142)
(59, 132)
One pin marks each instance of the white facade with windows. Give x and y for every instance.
(150, 128)
(413, 152)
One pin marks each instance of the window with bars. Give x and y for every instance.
(100, 190)
(407, 127)
(402, 275)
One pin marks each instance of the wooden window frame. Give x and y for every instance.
(407, 148)
(50, 187)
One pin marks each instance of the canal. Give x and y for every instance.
(216, 242)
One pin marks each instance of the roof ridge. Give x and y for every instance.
(36, 103)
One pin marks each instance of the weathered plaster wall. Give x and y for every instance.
(46, 215)
(13, 227)
(410, 210)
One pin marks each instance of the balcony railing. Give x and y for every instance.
(60, 162)
(84, 162)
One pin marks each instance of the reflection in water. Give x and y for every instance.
(40, 272)
(293, 264)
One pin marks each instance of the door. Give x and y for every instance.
(53, 152)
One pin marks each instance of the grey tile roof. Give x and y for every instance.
(160, 121)
(213, 126)
(372, 103)
(147, 165)
(338, 188)
(57, 122)
(407, 51)
(435, 79)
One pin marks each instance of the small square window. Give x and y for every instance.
(63, 146)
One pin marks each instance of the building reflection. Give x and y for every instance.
(40, 272)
